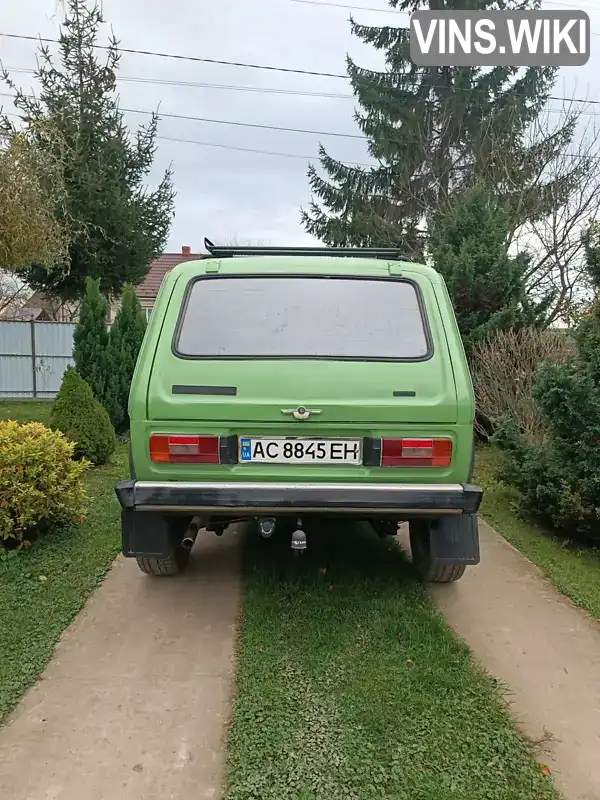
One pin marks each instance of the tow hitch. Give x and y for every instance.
(299, 538)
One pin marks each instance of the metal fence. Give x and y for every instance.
(34, 357)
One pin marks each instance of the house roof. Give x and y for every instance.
(38, 306)
(22, 314)
(148, 289)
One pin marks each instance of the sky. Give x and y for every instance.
(231, 195)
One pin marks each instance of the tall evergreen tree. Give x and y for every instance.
(90, 341)
(469, 246)
(433, 132)
(125, 340)
(118, 224)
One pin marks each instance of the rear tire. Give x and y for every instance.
(160, 567)
(420, 545)
(173, 563)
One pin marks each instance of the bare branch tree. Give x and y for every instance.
(555, 239)
(13, 293)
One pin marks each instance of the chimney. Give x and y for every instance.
(186, 250)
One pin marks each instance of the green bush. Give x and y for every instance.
(39, 480)
(126, 335)
(83, 419)
(559, 477)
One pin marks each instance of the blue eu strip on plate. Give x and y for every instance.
(246, 451)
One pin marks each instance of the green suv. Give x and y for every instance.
(281, 385)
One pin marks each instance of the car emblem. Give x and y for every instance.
(301, 412)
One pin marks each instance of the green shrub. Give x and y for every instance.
(39, 480)
(559, 477)
(90, 340)
(83, 419)
(126, 335)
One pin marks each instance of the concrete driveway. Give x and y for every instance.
(135, 701)
(543, 648)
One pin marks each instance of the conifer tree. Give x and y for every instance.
(90, 341)
(469, 246)
(125, 340)
(434, 132)
(118, 225)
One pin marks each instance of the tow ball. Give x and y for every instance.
(299, 538)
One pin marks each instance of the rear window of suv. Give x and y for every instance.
(302, 317)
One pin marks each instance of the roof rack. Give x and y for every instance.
(229, 251)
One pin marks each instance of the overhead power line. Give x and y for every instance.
(235, 123)
(222, 146)
(327, 4)
(248, 124)
(260, 152)
(352, 8)
(265, 89)
(262, 66)
(202, 85)
(180, 57)
(313, 158)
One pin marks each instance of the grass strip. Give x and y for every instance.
(351, 687)
(43, 588)
(573, 568)
(26, 410)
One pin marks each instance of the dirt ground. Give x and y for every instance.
(135, 701)
(548, 652)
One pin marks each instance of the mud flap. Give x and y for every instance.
(144, 534)
(455, 540)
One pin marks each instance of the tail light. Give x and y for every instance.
(416, 452)
(167, 449)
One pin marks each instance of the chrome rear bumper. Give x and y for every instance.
(249, 499)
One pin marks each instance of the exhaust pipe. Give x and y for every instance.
(190, 537)
(266, 526)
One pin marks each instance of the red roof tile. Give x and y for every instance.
(148, 289)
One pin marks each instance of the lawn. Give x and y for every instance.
(42, 589)
(573, 569)
(349, 685)
(25, 410)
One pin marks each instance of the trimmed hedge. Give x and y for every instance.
(83, 419)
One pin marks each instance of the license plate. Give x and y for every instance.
(283, 450)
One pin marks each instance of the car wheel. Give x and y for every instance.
(420, 545)
(172, 564)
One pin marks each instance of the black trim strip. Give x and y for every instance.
(229, 391)
(405, 394)
(323, 276)
(228, 450)
(371, 452)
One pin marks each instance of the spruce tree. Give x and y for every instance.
(433, 132)
(117, 224)
(469, 246)
(91, 339)
(125, 340)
